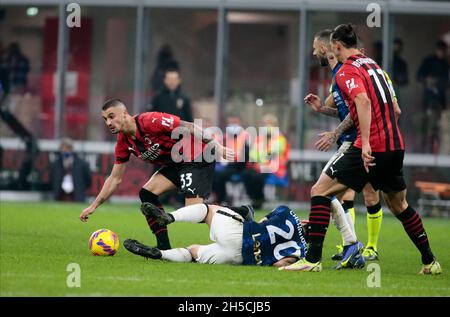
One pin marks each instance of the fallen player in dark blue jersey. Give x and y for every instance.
(279, 239)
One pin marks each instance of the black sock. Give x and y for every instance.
(416, 232)
(347, 204)
(319, 219)
(160, 231)
(373, 209)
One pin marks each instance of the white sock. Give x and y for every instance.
(350, 221)
(177, 255)
(341, 223)
(193, 213)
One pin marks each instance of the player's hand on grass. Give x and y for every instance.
(366, 154)
(86, 212)
(313, 101)
(327, 139)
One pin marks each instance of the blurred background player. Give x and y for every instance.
(279, 239)
(70, 175)
(148, 136)
(344, 135)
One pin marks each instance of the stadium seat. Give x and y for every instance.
(434, 198)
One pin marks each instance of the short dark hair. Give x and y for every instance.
(113, 102)
(323, 35)
(346, 34)
(172, 70)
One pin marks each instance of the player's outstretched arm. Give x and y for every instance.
(198, 133)
(110, 185)
(329, 109)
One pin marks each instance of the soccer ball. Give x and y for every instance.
(104, 242)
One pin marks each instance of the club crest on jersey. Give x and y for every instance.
(147, 140)
(351, 84)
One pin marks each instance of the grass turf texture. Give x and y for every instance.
(39, 240)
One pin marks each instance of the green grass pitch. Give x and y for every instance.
(39, 240)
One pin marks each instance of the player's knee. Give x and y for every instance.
(371, 200)
(371, 197)
(316, 190)
(193, 249)
(397, 204)
(147, 196)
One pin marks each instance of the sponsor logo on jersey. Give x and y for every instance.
(151, 154)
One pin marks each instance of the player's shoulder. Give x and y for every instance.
(348, 66)
(146, 120)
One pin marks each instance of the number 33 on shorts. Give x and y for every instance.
(186, 180)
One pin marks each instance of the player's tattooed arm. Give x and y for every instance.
(329, 109)
(327, 139)
(346, 124)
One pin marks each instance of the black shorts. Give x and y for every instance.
(386, 175)
(193, 178)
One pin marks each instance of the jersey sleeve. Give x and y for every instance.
(122, 154)
(350, 82)
(278, 211)
(158, 122)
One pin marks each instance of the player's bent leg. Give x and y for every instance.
(159, 184)
(374, 220)
(341, 223)
(149, 193)
(216, 253)
(319, 217)
(177, 255)
(193, 201)
(327, 186)
(412, 223)
(143, 250)
(348, 203)
(193, 213)
(346, 200)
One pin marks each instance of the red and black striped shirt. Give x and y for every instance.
(153, 142)
(360, 74)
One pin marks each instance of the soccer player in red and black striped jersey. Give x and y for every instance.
(376, 157)
(149, 137)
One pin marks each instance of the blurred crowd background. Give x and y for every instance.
(212, 60)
